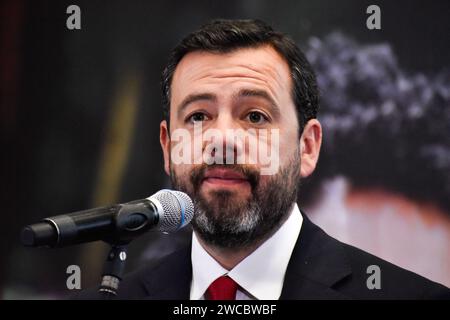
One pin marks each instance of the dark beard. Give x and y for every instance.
(227, 223)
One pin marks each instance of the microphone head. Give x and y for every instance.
(175, 209)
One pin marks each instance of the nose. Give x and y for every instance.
(227, 140)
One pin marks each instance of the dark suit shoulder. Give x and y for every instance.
(394, 282)
(325, 268)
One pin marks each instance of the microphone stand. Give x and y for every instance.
(128, 221)
(113, 271)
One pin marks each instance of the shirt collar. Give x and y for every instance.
(205, 269)
(261, 273)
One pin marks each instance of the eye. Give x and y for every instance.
(197, 117)
(257, 117)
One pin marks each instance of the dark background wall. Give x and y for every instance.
(80, 109)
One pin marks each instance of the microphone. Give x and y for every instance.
(167, 210)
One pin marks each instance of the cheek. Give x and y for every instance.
(264, 180)
(180, 170)
(289, 146)
(181, 176)
(289, 137)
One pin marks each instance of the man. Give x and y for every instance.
(250, 240)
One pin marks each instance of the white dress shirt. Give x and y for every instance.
(260, 275)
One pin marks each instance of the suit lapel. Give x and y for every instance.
(318, 262)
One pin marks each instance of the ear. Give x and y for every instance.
(164, 140)
(310, 143)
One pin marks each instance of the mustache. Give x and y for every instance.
(250, 173)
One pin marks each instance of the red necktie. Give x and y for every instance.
(223, 288)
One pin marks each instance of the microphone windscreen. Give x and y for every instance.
(175, 209)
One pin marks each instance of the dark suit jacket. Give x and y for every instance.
(320, 267)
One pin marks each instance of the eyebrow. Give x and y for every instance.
(243, 93)
(261, 94)
(194, 97)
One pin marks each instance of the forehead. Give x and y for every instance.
(255, 68)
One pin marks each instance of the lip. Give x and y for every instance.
(227, 174)
(224, 177)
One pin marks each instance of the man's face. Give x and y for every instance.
(245, 91)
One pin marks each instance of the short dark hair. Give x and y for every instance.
(223, 36)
